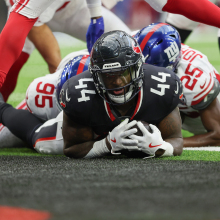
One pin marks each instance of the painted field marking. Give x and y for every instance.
(203, 148)
(15, 213)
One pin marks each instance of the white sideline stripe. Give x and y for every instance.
(203, 148)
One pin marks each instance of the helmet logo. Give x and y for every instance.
(63, 104)
(136, 49)
(172, 51)
(111, 65)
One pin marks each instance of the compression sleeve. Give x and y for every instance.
(202, 11)
(12, 40)
(94, 7)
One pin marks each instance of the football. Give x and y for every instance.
(139, 132)
(137, 154)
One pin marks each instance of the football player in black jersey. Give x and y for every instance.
(101, 106)
(116, 93)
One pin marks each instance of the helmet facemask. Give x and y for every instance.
(130, 75)
(116, 67)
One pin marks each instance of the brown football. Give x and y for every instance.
(137, 154)
(139, 132)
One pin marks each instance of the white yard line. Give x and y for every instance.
(203, 148)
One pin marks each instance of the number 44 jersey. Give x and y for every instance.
(159, 96)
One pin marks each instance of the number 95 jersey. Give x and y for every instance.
(40, 97)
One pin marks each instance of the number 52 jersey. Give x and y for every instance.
(159, 96)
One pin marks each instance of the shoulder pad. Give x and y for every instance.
(209, 98)
(76, 97)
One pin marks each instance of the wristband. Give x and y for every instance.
(168, 149)
(99, 149)
(95, 8)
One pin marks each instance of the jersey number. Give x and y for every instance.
(161, 87)
(84, 98)
(48, 89)
(190, 84)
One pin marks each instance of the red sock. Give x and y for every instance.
(12, 76)
(12, 40)
(202, 11)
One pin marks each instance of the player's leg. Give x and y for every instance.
(23, 16)
(48, 139)
(20, 122)
(12, 76)
(9, 140)
(184, 25)
(43, 137)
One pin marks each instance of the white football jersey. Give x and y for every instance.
(40, 96)
(197, 77)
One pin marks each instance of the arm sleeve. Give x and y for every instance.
(202, 11)
(94, 7)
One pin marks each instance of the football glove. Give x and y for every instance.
(149, 143)
(118, 137)
(95, 30)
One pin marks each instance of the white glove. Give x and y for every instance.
(117, 138)
(149, 143)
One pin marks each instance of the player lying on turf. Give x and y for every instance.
(106, 102)
(161, 46)
(61, 16)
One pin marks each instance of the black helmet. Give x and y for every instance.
(116, 52)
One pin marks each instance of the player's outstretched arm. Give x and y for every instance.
(210, 117)
(96, 27)
(79, 140)
(163, 140)
(44, 40)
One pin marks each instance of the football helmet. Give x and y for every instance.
(116, 54)
(75, 66)
(160, 44)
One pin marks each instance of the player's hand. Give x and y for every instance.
(117, 138)
(95, 30)
(149, 143)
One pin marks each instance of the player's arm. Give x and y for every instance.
(210, 117)
(164, 140)
(44, 40)
(79, 139)
(96, 27)
(170, 128)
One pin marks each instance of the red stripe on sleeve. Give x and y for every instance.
(63, 6)
(82, 64)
